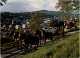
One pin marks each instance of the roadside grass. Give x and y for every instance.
(77, 24)
(67, 48)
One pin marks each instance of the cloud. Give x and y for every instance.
(28, 5)
(13, 7)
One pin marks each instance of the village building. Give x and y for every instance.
(24, 26)
(17, 26)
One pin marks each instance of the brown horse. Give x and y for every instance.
(38, 34)
(30, 39)
(47, 35)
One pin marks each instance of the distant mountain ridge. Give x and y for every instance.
(48, 12)
(29, 15)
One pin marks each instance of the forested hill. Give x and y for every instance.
(8, 16)
(49, 13)
(27, 15)
(30, 14)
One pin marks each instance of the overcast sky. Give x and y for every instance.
(28, 5)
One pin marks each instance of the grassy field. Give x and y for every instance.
(67, 48)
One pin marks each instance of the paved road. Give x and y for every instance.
(14, 53)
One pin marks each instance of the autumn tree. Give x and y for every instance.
(35, 21)
(67, 7)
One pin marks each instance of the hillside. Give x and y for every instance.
(28, 15)
(49, 14)
(67, 48)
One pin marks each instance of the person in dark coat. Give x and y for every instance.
(55, 22)
(16, 34)
(11, 33)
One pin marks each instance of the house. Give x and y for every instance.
(12, 22)
(17, 26)
(24, 26)
(10, 25)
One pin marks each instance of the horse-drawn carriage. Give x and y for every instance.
(57, 29)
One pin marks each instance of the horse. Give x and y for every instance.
(30, 39)
(47, 35)
(38, 34)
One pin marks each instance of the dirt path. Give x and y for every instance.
(71, 33)
(14, 53)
